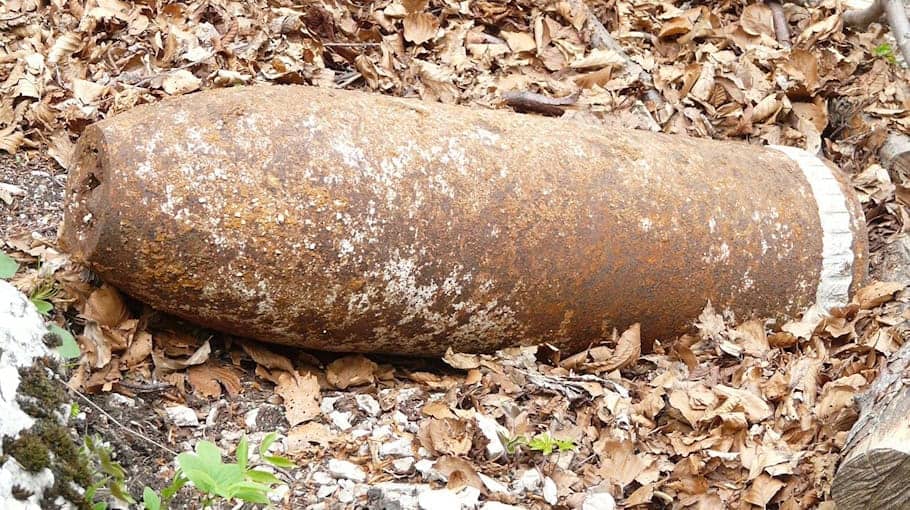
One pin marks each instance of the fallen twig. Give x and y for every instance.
(117, 422)
(531, 102)
(894, 13)
(781, 27)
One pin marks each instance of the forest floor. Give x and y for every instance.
(734, 415)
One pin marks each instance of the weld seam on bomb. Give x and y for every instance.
(837, 237)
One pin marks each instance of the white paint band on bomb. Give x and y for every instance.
(837, 236)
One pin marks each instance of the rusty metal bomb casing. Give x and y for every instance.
(346, 221)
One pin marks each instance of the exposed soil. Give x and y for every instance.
(39, 209)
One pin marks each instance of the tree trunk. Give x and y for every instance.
(875, 466)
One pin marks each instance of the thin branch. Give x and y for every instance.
(539, 103)
(117, 422)
(781, 25)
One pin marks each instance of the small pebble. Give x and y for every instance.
(440, 499)
(182, 416)
(346, 470)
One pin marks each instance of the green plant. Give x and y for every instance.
(543, 443)
(41, 296)
(109, 477)
(885, 51)
(8, 266)
(219, 480)
(68, 348)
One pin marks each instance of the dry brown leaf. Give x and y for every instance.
(461, 361)
(464, 471)
(139, 350)
(420, 27)
(437, 409)
(301, 397)
(351, 371)
(199, 356)
(106, 307)
(303, 437)
(414, 5)
(180, 82)
(752, 337)
(757, 19)
(675, 27)
(519, 41)
(266, 357)
(762, 490)
(446, 436)
(877, 293)
(208, 379)
(711, 325)
(628, 349)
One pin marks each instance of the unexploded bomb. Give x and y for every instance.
(348, 221)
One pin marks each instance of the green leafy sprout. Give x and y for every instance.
(543, 443)
(885, 51)
(110, 477)
(41, 297)
(217, 481)
(8, 266)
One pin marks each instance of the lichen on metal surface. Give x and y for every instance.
(348, 221)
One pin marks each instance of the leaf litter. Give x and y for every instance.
(739, 413)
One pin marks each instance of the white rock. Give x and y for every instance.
(322, 478)
(403, 465)
(490, 430)
(345, 495)
(599, 501)
(360, 432)
(118, 400)
(406, 394)
(341, 420)
(249, 419)
(22, 331)
(381, 432)
(346, 470)
(182, 416)
(279, 493)
(468, 497)
(395, 495)
(325, 491)
(496, 505)
(401, 447)
(529, 481)
(368, 404)
(327, 404)
(440, 499)
(425, 468)
(550, 494)
(493, 485)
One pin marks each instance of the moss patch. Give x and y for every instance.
(29, 450)
(48, 443)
